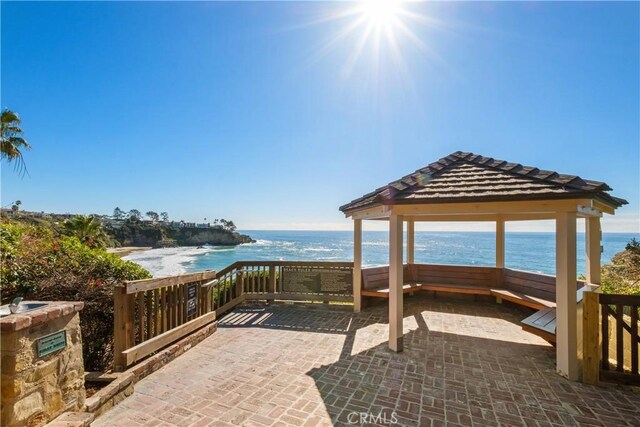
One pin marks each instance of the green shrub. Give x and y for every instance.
(622, 275)
(40, 264)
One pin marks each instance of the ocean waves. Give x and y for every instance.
(525, 251)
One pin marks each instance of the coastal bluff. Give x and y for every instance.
(139, 234)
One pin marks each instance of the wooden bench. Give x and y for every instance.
(375, 283)
(543, 322)
(384, 292)
(522, 299)
(523, 288)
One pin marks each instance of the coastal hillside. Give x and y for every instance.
(129, 233)
(134, 231)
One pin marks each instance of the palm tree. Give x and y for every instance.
(11, 142)
(88, 229)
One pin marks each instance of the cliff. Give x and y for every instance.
(139, 234)
(201, 236)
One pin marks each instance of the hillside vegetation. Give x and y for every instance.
(44, 260)
(622, 274)
(137, 233)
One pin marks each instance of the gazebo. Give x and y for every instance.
(470, 187)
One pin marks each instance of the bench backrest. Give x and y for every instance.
(534, 284)
(456, 275)
(378, 277)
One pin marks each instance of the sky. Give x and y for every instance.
(274, 114)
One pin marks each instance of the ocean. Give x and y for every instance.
(524, 251)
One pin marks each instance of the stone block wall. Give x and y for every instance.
(37, 389)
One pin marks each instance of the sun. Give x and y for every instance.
(374, 36)
(380, 13)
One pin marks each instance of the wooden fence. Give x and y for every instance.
(150, 314)
(610, 338)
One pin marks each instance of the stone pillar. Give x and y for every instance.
(37, 387)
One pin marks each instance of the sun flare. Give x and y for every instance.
(380, 13)
(375, 35)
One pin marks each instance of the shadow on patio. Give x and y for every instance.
(465, 363)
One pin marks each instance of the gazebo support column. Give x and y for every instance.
(395, 283)
(499, 243)
(566, 287)
(593, 236)
(357, 265)
(411, 246)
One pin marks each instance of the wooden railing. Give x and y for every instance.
(610, 338)
(150, 314)
(297, 280)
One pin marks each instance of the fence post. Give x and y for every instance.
(239, 282)
(591, 337)
(272, 282)
(122, 326)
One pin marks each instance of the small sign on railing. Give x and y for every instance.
(192, 301)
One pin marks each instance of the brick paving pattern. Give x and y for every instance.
(465, 363)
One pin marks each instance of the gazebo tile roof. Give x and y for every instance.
(468, 177)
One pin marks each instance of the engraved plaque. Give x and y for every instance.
(316, 280)
(52, 343)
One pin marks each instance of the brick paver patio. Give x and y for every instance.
(465, 363)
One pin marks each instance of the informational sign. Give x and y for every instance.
(316, 280)
(52, 343)
(192, 301)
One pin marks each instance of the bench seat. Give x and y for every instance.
(542, 323)
(439, 287)
(384, 292)
(522, 299)
(456, 289)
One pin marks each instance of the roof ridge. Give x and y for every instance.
(421, 177)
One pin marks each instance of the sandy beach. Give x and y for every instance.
(126, 250)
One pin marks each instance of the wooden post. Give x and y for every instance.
(411, 231)
(357, 265)
(500, 243)
(591, 338)
(272, 281)
(207, 299)
(395, 283)
(566, 287)
(123, 338)
(593, 236)
(411, 245)
(239, 283)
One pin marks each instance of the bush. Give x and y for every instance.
(622, 275)
(38, 263)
